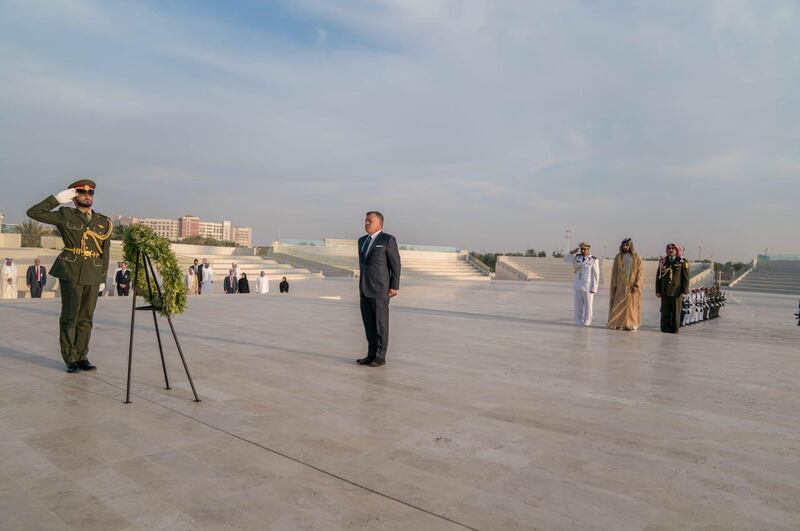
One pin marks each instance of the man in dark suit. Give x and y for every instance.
(198, 271)
(231, 285)
(36, 278)
(379, 281)
(123, 280)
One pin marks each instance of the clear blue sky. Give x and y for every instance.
(483, 125)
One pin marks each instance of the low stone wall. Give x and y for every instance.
(52, 242)
(10, 241)
(506, 269)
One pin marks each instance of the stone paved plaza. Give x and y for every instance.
(493, 413)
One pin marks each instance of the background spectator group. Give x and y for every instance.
(200, 280)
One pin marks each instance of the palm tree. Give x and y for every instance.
(32, 232)
(32, 228)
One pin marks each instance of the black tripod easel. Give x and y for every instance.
(149, 270)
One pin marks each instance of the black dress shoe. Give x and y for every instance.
(85, 365)
(364, 361)
(377, 363)
(73, 367)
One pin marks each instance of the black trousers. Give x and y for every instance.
(78, 302)
(671, 314)
(36, 291)
(375, 314)
(123, 292)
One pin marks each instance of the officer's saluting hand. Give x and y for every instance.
(81, 267)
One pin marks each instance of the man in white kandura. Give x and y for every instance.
(8, 279)
(208, 279)
(262, 283)
(587, 277)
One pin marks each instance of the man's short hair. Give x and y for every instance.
(376, 214)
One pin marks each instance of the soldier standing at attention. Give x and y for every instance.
(81, 267)
(672, 284)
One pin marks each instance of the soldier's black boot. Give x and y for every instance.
(85, 365)
(73, 367)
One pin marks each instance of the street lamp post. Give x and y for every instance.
(568, 238)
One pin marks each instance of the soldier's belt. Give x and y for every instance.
(86, 253)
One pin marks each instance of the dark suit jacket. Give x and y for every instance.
(30, 276)
(231, 287)
(380, 268)
(123, 277)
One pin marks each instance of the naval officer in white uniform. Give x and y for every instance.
(587, 277)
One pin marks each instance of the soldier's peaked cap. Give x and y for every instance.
(83, 184)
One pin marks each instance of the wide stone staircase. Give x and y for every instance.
(533, 268)
(772, 276)
(416, 264)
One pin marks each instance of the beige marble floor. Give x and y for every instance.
(494, 412)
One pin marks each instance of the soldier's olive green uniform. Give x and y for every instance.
(81, 267)
(672, 283)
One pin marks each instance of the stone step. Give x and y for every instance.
(788, 282)
(46, 294)
(784, 291)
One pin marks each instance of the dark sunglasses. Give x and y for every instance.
(85, 192)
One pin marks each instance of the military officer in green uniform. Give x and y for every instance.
(81, 267)
(672, 284)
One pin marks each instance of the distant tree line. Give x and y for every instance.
(490, 259)
(212, 242)
(729, 270)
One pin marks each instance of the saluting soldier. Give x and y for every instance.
(586, 269)
(672, 284)
(81, 267)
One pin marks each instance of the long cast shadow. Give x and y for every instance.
(19, 355)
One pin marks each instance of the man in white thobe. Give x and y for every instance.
(262, 283)
(208, 280)
(113, 290)
(8, 280)
(587, 277)
(237, 272)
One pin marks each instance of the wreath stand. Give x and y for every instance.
(148, 265)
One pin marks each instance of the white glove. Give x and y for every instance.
(66, 196)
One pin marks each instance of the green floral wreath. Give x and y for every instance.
(174, 295)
